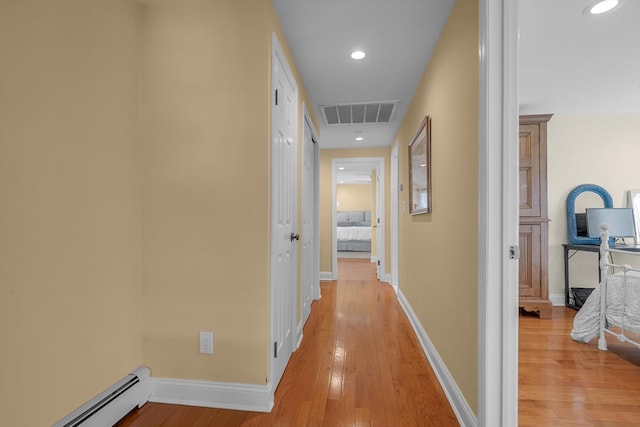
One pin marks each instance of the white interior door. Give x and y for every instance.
(308, 236)
(284, 130)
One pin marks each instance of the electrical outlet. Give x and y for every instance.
(206, 342)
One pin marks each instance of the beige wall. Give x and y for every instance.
(354, 197)
(69, 205)
(602, 150)
(326, 210)
(204, 124)
(438, 251)
(127, 166)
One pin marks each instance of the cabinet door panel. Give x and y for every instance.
(530, 278)
(529, 170)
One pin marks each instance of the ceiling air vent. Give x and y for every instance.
(373, 112)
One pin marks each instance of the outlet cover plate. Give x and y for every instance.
(206, 342)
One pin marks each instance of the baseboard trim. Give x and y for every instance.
(459, 404)
(326, 276)
(374, 259)
(242, 397)
(386, 278)
(557, 300)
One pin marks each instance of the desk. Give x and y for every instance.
(576, 248)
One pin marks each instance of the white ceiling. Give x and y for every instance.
(355, 172)
(569, 63)
(398, 37)
(573, 63)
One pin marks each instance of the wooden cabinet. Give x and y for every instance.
(533, 274)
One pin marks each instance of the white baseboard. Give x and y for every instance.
(113, 404)
(374, 259)
(459, 404)
(326, 276)
(557, 299)
(386, 278)
(242, 397)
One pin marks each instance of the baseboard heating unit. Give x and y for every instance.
(113, 404)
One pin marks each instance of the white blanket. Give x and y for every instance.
(354, 233)
(586, 324)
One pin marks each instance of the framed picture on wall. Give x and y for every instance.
(420, 169)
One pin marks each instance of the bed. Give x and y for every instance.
(613, 308)
(354, 231)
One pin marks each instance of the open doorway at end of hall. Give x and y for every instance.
(355, 206)
(358, 210)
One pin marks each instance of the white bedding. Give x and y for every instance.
(586, 324)
(354, 233)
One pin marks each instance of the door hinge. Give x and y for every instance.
(514, 252)
(276, 97)
(275, 350)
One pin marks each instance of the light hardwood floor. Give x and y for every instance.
(360, 365)
(566, 383)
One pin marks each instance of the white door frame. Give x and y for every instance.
(380, 245)
(316, 201)
(393, 210)
(498, 215)
(381, 256)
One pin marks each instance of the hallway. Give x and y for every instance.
(359, 364)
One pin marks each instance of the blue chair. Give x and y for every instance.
(572, 229)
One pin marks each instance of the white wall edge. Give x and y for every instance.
(326, 276)
(242, 397)
(459, 404)
(558, 300)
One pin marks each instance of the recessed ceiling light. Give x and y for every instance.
(341, 168)
(602, 6)
(358, 54)
(359, 138)
(423, 165)
(341, 182)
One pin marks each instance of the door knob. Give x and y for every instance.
(295, 237)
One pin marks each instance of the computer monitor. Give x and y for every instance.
(620, 220)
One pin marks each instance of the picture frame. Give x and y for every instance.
(420, 169)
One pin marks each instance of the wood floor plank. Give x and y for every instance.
(359, 364)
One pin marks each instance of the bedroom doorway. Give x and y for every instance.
(358, 211)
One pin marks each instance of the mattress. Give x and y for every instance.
(586, 324)
(354, 233)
